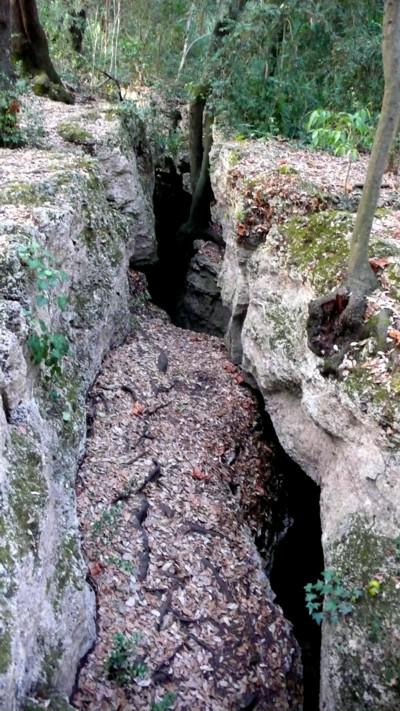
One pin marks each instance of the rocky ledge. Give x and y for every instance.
(74, 211)
(286, 221)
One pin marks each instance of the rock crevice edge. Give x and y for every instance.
(86, 197)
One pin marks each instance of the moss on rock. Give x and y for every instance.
(369, 663)
(318, 247)
(28, 490)
(5, 651)
(74, 133)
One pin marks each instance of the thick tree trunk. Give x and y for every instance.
(6, 71)
(30, 42)
(360, 274)
(30, 47)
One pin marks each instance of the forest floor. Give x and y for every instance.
(175, 478)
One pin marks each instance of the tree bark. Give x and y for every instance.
(6, 70)
(30, 42)
(338, 318)
(77, 29)
(201, 129)
(360, 275)
(199, 216)
(196, 114)
(30, 47)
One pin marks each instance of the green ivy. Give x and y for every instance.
(45, 347)
(329, 598)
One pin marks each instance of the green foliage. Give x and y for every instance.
(165, 704)
(45, 346)
(283, 59)
(278, 63)
(11, 135)
(329, 598)
(123, 663)
(340, 132)
(125, 565)
(105, 525)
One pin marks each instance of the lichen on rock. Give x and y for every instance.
(92, 213)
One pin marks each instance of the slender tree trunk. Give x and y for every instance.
(196, 114)
(201, 130)
(360, 273)
(200, 208)
(338, 318)
(186, 41)
(6, 71)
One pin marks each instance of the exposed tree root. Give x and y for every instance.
(334, 321)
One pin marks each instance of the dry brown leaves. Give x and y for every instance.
(172, 560)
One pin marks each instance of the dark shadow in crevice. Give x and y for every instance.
(166, 278)
(297, 558)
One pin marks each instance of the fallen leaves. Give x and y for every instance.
(95, 568)
(378, 263)
(233, 370)
(138, 409)
(394, 334)
(199, 474)
(205, 442)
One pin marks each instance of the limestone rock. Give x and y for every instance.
(201, 307)
(343, 433)
(89, 207)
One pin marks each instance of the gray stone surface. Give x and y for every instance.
(92, 212)
(327, 432)
(201, 308)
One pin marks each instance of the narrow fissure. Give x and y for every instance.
(166, 278)
(297, 559)
(293, 550)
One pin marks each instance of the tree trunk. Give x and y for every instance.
(201, 130)
(337, 319)
(196, 114)
(77, 29)
(30, 47)
(360, 275)
(200, 208)
(6, 70)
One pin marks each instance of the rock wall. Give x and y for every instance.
(286, 229)
(200, 307)
(84, 195)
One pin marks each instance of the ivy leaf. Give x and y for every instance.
(318, 617)
(42, 300)
(62, 302)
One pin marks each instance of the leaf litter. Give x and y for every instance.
(169, 498)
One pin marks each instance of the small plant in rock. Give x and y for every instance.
(329, 599)
(123, 662)
(165, 704)
(45, 346)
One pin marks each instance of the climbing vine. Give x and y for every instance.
(46, 347)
